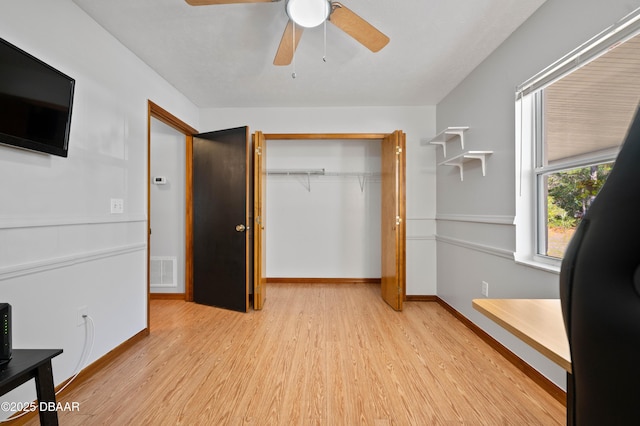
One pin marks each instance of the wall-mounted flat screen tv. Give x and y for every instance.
(35, 102)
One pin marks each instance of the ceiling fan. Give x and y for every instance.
(312, 13)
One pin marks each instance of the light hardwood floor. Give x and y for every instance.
(317, 354)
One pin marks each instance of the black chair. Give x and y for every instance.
(600, 297)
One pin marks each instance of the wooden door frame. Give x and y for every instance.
(164, 116)
(362, 136)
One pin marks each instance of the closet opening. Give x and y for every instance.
(335, 210)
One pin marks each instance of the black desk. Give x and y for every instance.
(29, 364)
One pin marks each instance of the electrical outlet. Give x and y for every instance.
(117, 205)
(485, 289)
(80, 313)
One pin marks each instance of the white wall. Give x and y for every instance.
(323, 226)
(168, 160)
(417, 122)
(60, 247)
(476, 237)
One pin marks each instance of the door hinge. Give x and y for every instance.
(258, 219)
(259, 150)
(398, 150)
(399, 290)
(398, 220)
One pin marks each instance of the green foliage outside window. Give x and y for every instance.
(557, 216)
(571, 192)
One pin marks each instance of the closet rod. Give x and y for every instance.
(288, 172)
(363, 177)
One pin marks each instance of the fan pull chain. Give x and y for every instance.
(324, 57)
(293, 43)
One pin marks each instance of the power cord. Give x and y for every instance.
(84, 358)
(82, 362)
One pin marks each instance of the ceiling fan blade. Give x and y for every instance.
(356, 27)
(287, 48)
(210, 2)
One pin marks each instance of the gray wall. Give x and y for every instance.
(328, 226)
(474, 217)
(167, 242)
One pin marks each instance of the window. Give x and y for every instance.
(572, 119)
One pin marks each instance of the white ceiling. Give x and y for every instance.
(222, 55)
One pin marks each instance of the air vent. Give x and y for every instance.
(163, 271)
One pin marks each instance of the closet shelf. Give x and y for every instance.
(459, 160)
(299, 172)
(296, 172)
(363, 177)
(447, 135)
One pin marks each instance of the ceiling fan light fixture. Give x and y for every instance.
(308, 13)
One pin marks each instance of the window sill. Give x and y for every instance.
(539, 262)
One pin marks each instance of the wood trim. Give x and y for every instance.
(169, 119)
(149, 115)
(420, 298)
(323, 280)
(168, 296)
(301, 136)
(551, 388)
(188, 226)
(161, 114)
(84, 375)
(104, 360)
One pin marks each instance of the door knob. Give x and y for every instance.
(240, 228)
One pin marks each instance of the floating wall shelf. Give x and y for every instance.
(459, 160)
(447, 135)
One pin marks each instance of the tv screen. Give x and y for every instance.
(35, 102)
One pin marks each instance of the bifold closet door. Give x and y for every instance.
(393, 219)
(260, 210)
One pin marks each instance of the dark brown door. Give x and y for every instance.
(221, 206)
